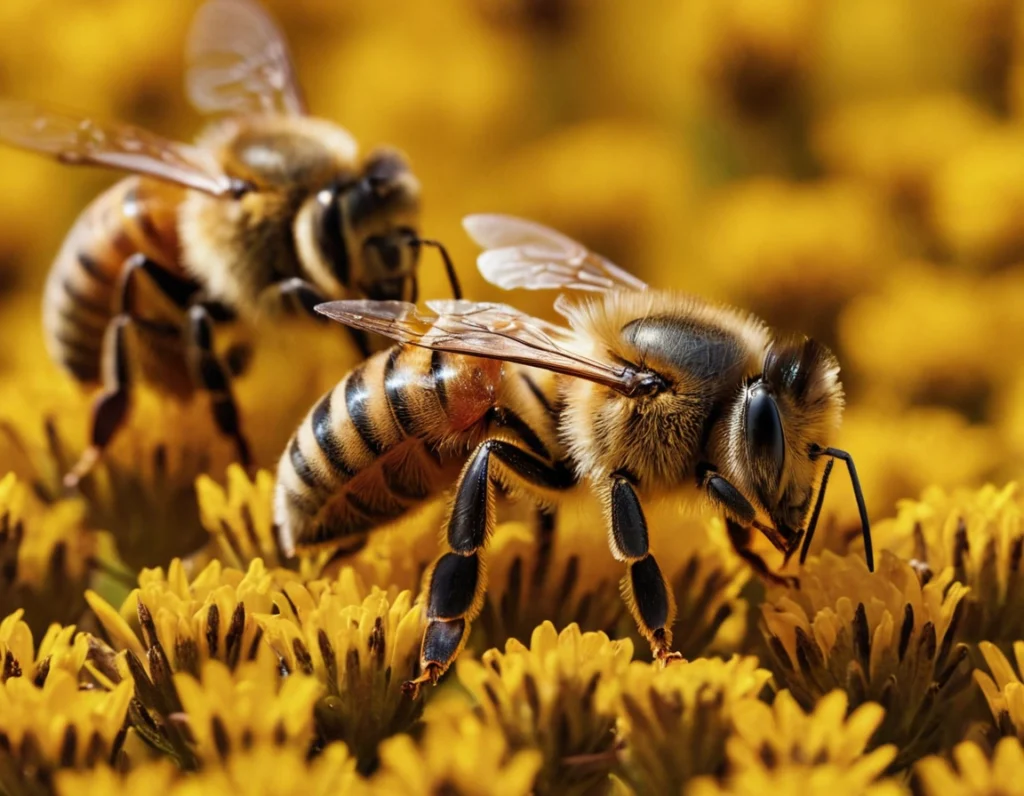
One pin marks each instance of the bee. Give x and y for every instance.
(271, 209)
(648, 393)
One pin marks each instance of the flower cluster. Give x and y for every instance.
(155, 635)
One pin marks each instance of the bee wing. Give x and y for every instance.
(525, 254)
(238, 62)
(494, 331)
(75, 139)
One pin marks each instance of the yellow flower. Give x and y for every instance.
(754, 55)
(60, 648)
(979, 201)
(935, 446)
(169, 625)
(47, 554)
(675, 721)
(56, 725)
(899, 145)
(252, 706)
(882, 637)
(558, 696)
(259, 771)
(949, 358)
(792, 253)
(239, 519)
(1003, 690)
(979, 534)
(783, 735)
(361, 645)
(828, 778)
(972, 772)
(461, 756)
(190, 621)
(565, 575)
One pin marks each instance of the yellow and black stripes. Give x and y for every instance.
(135, 216)
(368, 452)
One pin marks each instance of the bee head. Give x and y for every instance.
(791, 411)
(381, 212)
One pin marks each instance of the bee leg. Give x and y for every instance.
(647, 594)
(455, 584)
(740, 538)
(299, 297)
(740, 517)
(111, 406)
(213, 377)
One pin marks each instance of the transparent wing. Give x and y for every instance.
(495, 331)
(75, 139)
(525, 254)
(238, 62)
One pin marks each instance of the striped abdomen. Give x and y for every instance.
(134, 216)
(392, 434)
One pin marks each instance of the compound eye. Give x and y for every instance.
(764, 429)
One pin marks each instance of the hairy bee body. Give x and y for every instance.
(645, 394)
(394, 433)
(82, 289)
(271, 210)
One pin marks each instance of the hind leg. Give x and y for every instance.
(110, 409)
(455, 588)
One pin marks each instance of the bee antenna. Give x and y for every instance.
(449, 267)
(813, 524)
(858, 493)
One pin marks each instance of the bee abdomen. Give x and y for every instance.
(369, 450)
(133, 216)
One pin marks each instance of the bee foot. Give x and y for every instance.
(666, 657)
(82, 467)
(432, 673)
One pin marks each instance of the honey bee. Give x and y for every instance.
(646, 393)
(272, 209)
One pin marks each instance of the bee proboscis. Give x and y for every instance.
(649, 393)
(271, 209)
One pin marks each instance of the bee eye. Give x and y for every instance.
(764, 428)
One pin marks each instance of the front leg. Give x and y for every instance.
(740, 520)
(647, 593)
(296, 296)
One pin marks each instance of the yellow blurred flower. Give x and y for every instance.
(361, 645)
(828, 778)
(259, 771)
(753, 55)
(47, 554)
(979, 200)
(898, 145)
(1003, 690)
(60, 648)
(53, 725)
(900, 452)
(973, 773)
(460, 755)
(881, 637)
(977, 533)
(792, 252)
(558, 696)
(675, 720)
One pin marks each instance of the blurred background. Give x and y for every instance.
(852, 169)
